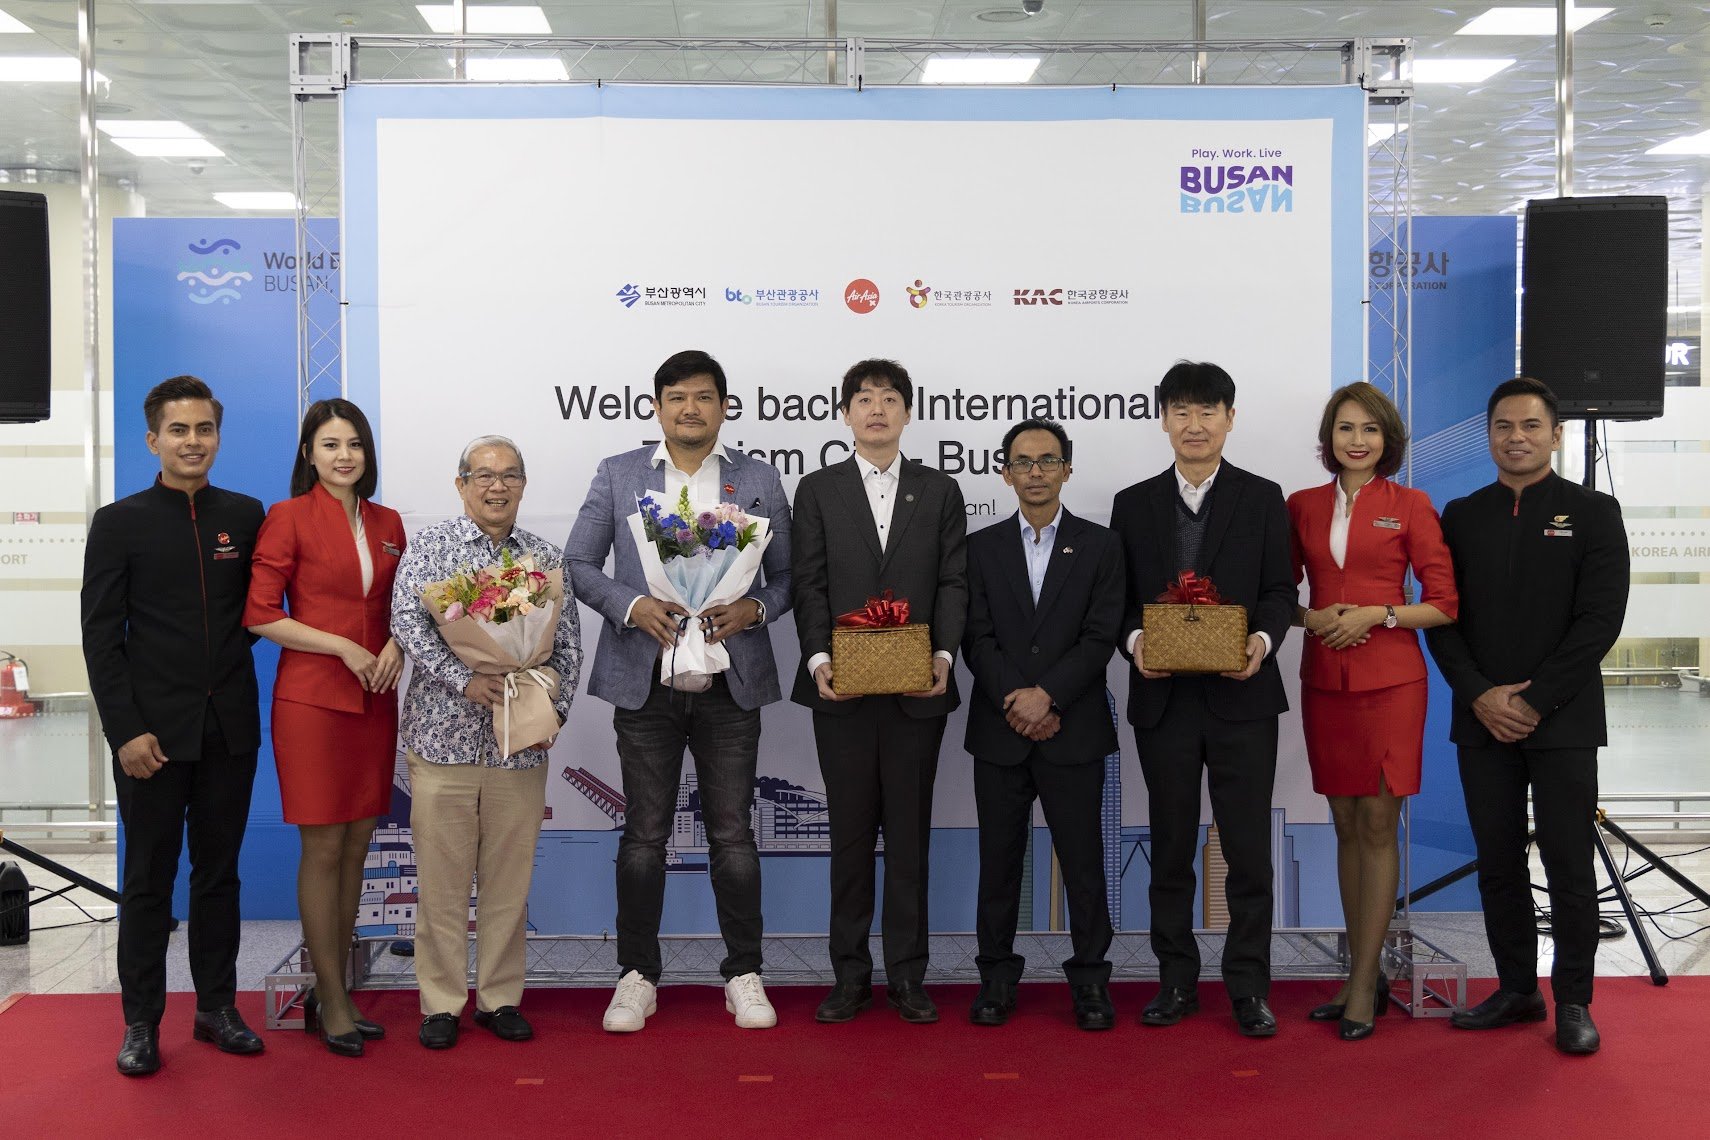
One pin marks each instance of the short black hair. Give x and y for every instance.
(303, 477)
(1051, 426)
(178, 388)
(1195, 382)
(1523, 386)
(881, 374)
(689, 363)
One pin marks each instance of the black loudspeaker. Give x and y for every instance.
(1594, 303)
(14, 905)
(25, 335)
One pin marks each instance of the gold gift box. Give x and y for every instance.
(867, 662)
(1194, 638)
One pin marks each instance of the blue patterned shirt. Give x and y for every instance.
(438, 723)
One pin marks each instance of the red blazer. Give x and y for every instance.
(1392, 527)
(304, 555)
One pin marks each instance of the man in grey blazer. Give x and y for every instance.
(720, 726)
(878, 521)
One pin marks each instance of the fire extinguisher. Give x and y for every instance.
(15, 687)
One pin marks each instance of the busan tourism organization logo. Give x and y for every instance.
(214, 272)
(775, 297)
(1236, 180)
(861, 295)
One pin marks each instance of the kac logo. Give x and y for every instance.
(1038, 297)
(919, 293)
(213, 273)
(861, 295)
(629, 295)
(738, 295)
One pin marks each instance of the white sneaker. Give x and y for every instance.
(746, 998)
(632, 1004)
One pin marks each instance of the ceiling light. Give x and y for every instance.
(980, 69)
(257, 199)
(1686, 144)
(1003, 15)
(147, 129)
(1539, 21)
(517, 69)
(1378, 132)
(1457, 70)
(12, 24)
(170, 148)
(43, 69)
(487, 19)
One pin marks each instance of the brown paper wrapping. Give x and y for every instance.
(1194, 639)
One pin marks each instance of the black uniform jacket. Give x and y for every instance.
(165, 576)
(1543, 585)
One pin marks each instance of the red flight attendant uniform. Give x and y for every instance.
(333, 743)
(1363, 707)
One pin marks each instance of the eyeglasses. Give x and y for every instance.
(1048, 464)
(488, 478)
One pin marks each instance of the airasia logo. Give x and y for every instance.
(861, 295)
(1038, 297)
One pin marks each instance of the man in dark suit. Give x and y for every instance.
(878, 521)
(165, 577)
(720, 725)
(1045, 594)
(1211, 517)
(1542, 569)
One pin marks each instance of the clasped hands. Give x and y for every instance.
(661, 619)
(1505, 714)
(1029, 712)
(377, 672)
(1342, 625)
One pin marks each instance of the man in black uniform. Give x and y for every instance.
(1541, 565)
(165, 574)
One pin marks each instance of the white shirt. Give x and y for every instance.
(1339, 522)
(1036, 548)
(704, 487)
(363, 557)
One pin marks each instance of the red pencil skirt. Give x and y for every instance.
(1353, 737)
(335, 767)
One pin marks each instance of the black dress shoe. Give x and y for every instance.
(140, 1054)
(370, 1030)
(1333, 1010)
(1504, 1007)
(845, 1000)
(506, 1023)
(1355, 1030)
(1171, 1005)
(439, 1030)
(994, 1004)
(911, 1003)
(1254, 1018)
(1093, 1008)
(1575, 1032)
(225, 1028)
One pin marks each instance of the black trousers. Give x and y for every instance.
(1239, 759)
(1071, 795)
(208, 797)
(1564, 810)
(879, 765)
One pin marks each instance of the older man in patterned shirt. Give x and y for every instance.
(473, 808)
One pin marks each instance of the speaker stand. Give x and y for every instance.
(1590, 479)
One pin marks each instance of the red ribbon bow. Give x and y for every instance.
(882, 612)
(1189, 589)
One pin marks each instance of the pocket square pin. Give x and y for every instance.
(1387, 523)
(1068, 550)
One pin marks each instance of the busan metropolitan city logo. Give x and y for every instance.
(214, 271)
(1237, 180)
(629, 295)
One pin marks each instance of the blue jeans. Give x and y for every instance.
(725, 740)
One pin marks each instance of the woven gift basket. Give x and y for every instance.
(868, 662)
(1194, 638)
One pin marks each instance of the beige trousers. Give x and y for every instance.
(472, 822)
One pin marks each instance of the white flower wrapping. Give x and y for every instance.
(698, 583)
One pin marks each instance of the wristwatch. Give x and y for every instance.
(1389, 618)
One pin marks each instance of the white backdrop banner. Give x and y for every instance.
(520, 260)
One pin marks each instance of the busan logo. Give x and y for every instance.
(629, 295)
(1237, 189)
(861, 295)
(213, 272)
(919, 294)
(738, 295)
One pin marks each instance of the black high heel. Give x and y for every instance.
(370, 1030)
(1333, 1010)
(344, 1044)
(1355, 1030)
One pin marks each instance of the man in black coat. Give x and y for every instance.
(1211, 517)
(878, 521)
(1044, 608)
(165, 576)
(1542, 569)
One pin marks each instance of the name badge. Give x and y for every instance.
(221, 555)
(391, 548)
(1553, 532)
(1387, 523)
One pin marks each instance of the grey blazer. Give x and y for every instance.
(627, 660)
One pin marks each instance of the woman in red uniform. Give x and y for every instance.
(1362, 674)
(330, 554)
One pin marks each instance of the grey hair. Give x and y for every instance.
(481, 441)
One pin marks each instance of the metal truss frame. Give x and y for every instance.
(324, 66)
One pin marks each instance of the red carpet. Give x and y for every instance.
(692, 1074)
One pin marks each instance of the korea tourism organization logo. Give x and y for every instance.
(661, 295)
(770, 297)
(214, 271)
(861, 295)
(1236, 180)
(922, 295)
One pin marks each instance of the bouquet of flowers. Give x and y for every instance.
(698, 557)
(501, 620)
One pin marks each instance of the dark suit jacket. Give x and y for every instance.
(1062, 644)
(838, 565)
(1543, 586)
(1246, 555)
